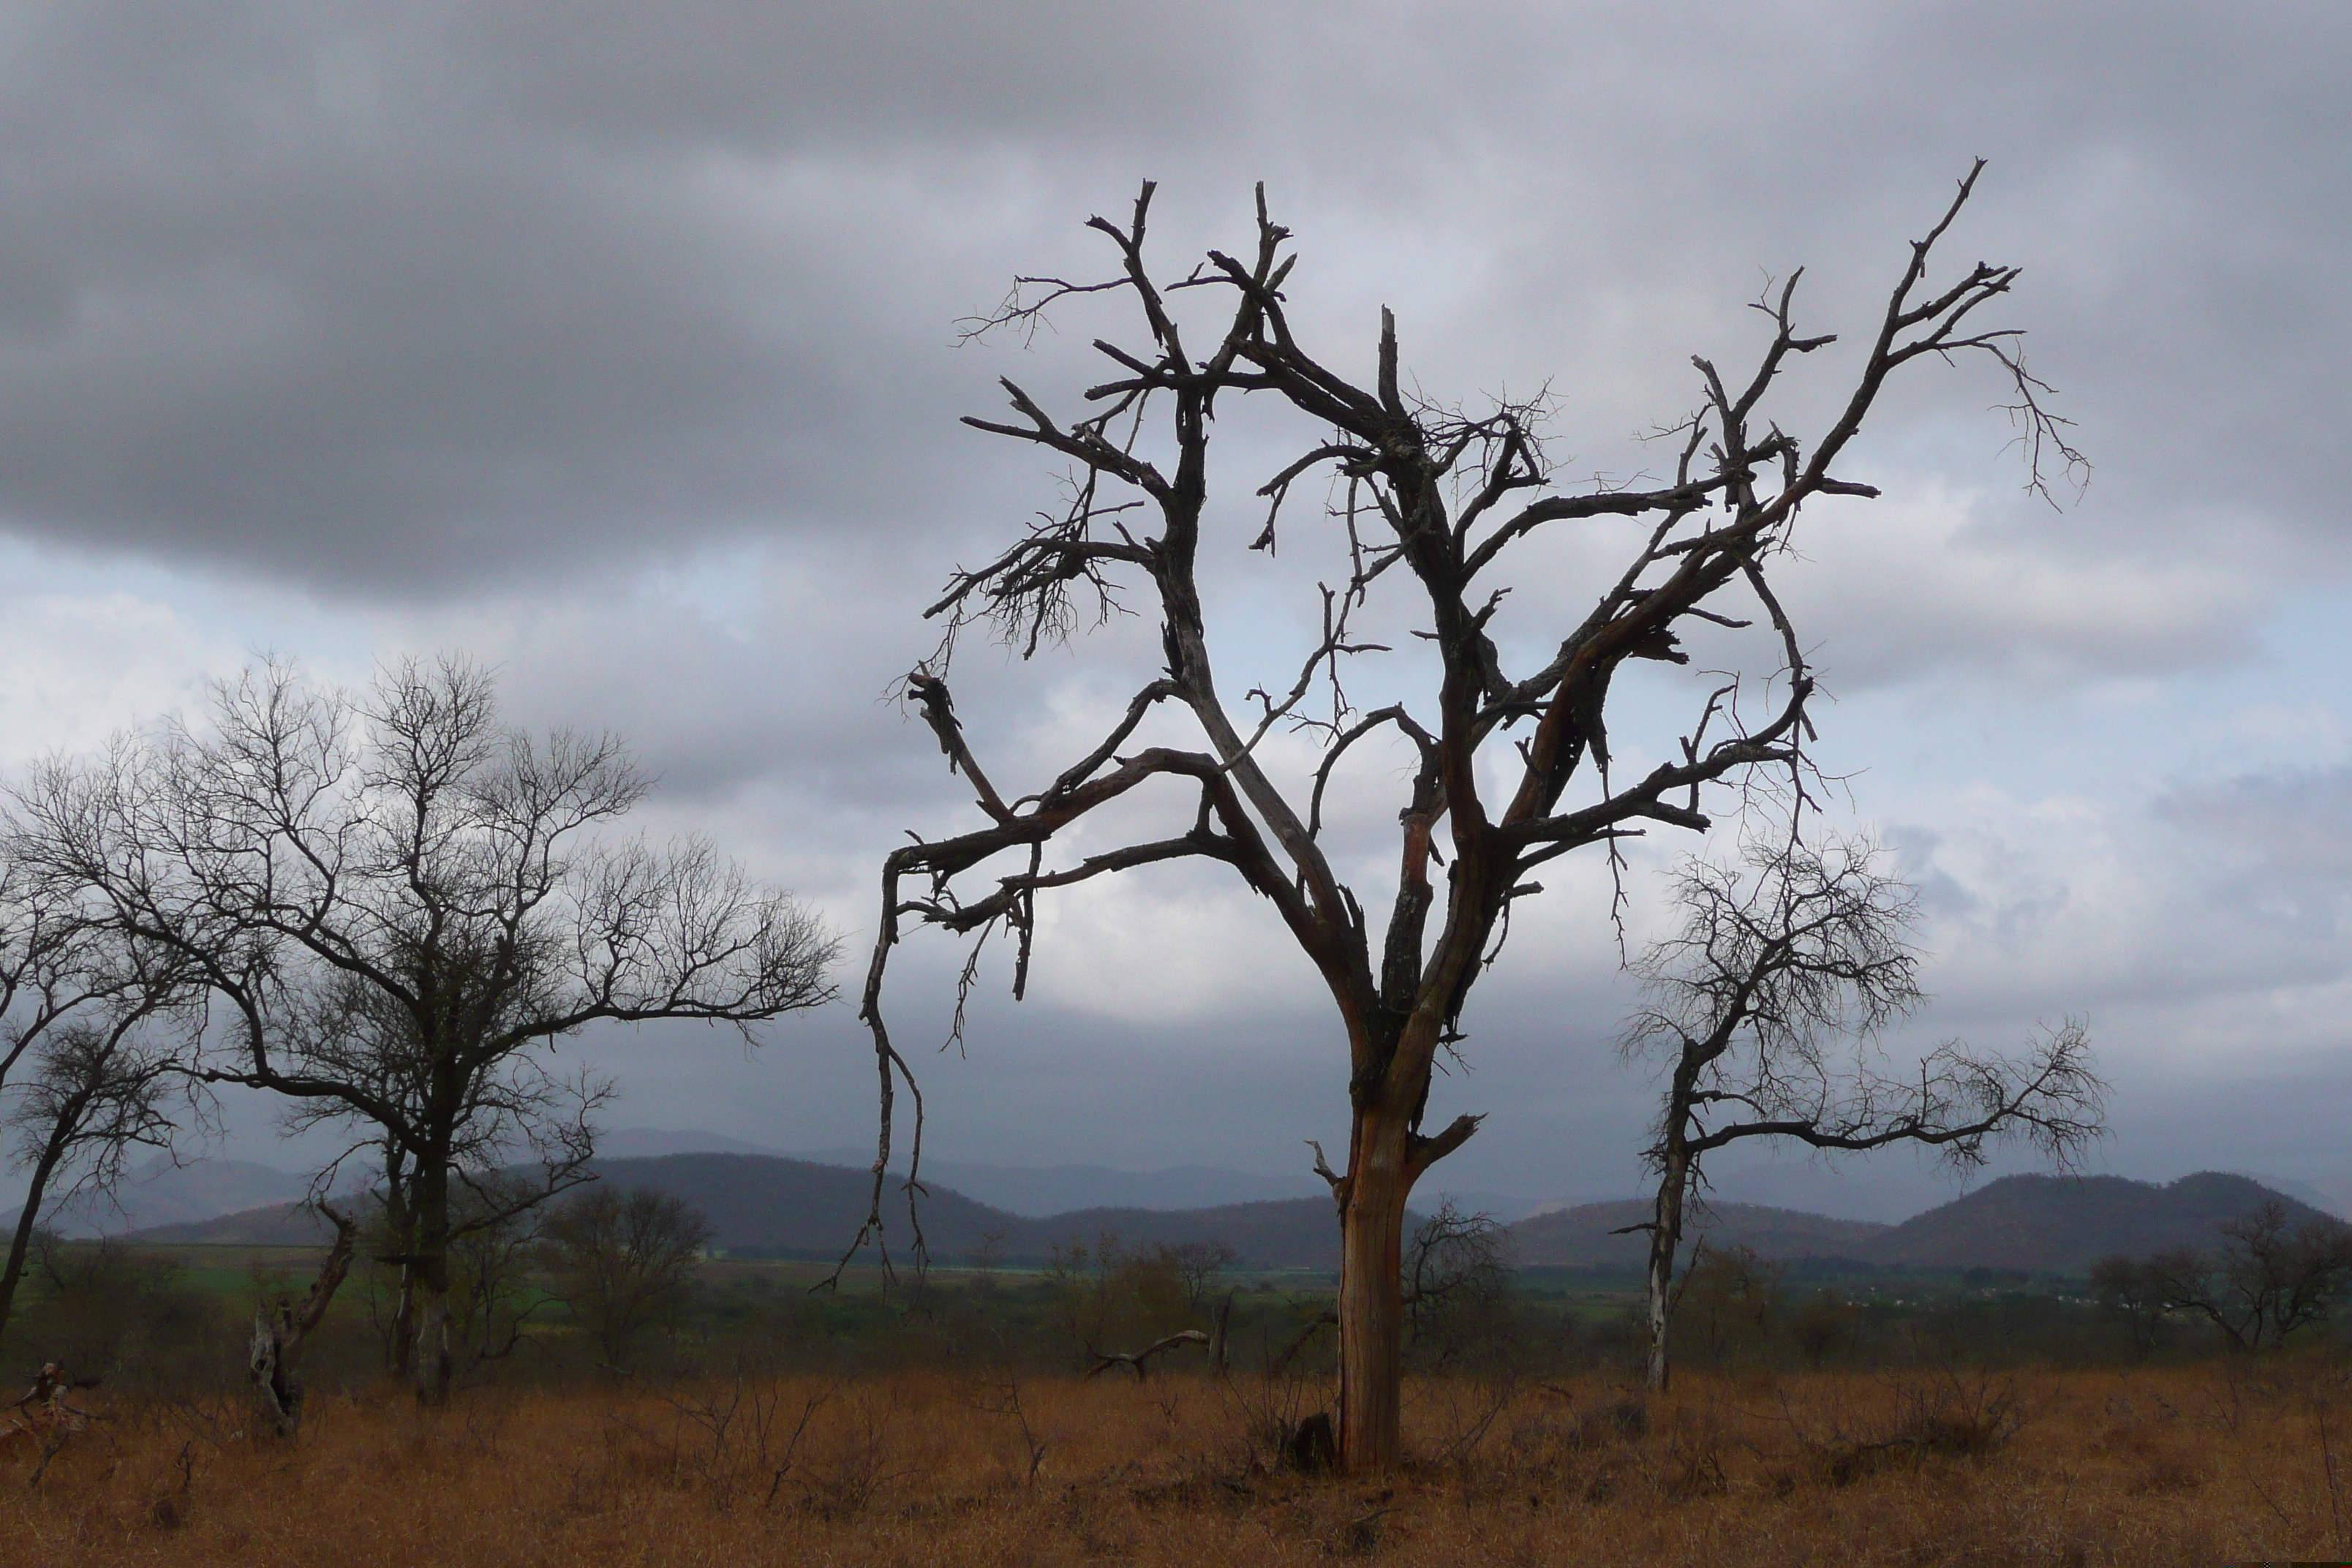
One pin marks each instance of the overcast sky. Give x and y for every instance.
(614, 345)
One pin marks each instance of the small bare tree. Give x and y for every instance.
(273, 1356)
(2139, 1293)
(623, 1261)
(2271, 1275)
(100, 1088)
(1457, 1279)
(94, 1032)
(1431, 508)
(1196, 1263)
(400, 903)
(1761, 1007)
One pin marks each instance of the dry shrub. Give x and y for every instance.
(1621, 1420)
(1938, 1413)
(1693, 1463)
(2164, 1474)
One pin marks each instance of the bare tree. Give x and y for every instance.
(623, 1261)
(399, 903)
(100, 1088)
(1761, 1007)
(93, 1031)
(1457, 1275)
(2270, 1277)
(1196, 1263)
(1429, 507)
(2135, 1290)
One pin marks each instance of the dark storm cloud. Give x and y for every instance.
(397, 300)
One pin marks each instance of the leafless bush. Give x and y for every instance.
(1938, 1411)
(1265, 1406)
(1621, 1420)
(998, 1394)
(856, 1459)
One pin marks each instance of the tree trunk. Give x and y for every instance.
(275, 1351)
(1371, 1297)
(1665, 1238)
(404, 1326)
(399, 1229)
(20, 1244)
(433, 1367)
(429, 1280)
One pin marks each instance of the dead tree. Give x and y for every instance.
(1140, 1362)
(45, 1419)
(1429, 507)
(1763, 1005)
(274, 1355)
(398, 903)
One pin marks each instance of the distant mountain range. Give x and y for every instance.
(163, 1194)
(767, 1205)
(2055, 1225)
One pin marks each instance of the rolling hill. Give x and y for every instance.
(1580, 1237)
(767, 1205)
(2064, 1224)
(796, 1207)
(163, 1192)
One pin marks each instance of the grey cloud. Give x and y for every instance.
(2295, 825)
(763, 77)
(398, 301)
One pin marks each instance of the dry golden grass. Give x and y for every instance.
(2195, 1465)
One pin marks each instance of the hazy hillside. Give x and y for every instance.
(1579, 1237)
(2063, 1224)
(765, 1204)
(1042, 1189)
(1296, 1233)
(161, 1193)
(276, 1224)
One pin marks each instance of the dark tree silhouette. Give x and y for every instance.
(96, 1036)
(399, 903)
(623, 1260)
(2271, 1275)
(1762, 1007)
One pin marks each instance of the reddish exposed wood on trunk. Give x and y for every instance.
(1371, 1296)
